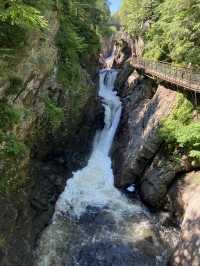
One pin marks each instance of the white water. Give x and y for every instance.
(91, 239)
(110, 59)
(94, 185)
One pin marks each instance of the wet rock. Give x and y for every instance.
(100, 239)
(39, 204)
(122, 53)
(25, 217)
(107, 45)
(187, 200)
(123, 76)
(113, 254)
(12, 236)
(156, 181)
(165, 218)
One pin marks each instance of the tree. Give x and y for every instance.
(171, 28)
(175, 36)
(136, 14)
(15, 12)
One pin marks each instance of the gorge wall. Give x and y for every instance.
(49, 114)
(163, 177)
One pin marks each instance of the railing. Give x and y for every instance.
(184, 77)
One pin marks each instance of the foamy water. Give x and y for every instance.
(94, 185)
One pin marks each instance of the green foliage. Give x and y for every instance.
(42, 5)
(115, 21)
(54, 114)
(9, 116)
(10, 146)
(171, 28)
(11, 37)
(135, 14)
(11, 182)
(178, 29)
(15, 12)
(195, 154)
(180, 131)
(81, 25)
(2, 241)
(16, 84)
(18, 19)
(12, 149)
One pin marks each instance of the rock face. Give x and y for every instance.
(185, 196)
(137, 139)
(140, 157)
(23, 216)
(158, 177)
(57, 128)
(122, 53)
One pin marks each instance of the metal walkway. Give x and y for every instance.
(184, 77)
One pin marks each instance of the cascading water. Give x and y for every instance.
(94, 224)
(94, 185)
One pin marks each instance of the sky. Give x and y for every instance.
(114, 5)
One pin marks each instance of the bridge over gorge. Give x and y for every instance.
(184, 77)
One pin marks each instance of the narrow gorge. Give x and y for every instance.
(99, 156)
(92, 212)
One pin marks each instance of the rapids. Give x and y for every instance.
(94, 224)
(94, 185)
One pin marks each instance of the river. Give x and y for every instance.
(94, 224)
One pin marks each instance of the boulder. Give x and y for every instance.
(155, 182)
(187, 199)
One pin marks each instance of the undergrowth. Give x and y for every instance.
(12, 148)
(180, 130)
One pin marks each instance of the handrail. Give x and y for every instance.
(184, 77)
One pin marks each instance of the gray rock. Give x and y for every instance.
(123, 76)
(156, 180)
(137, 139)
(99, 239)
(122, 53)
(158, 177)
(187, 199)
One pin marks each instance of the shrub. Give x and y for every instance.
(16, 84)
(55, 114)
(9, 115)
(16, 13)
(11, 146)
(179, 129)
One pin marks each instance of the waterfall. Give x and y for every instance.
(110, 60)
(94, 224)
(94, 185)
